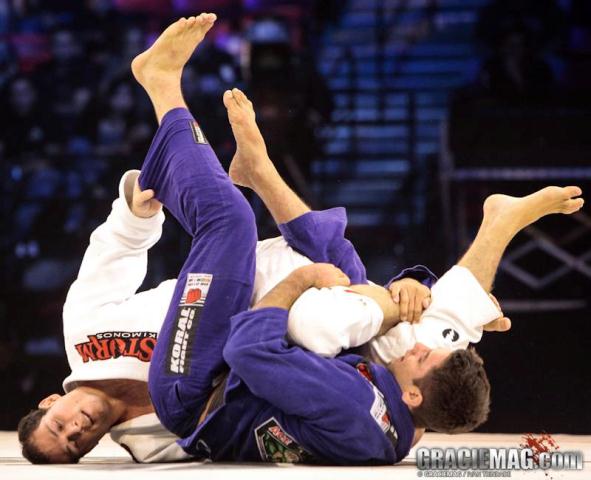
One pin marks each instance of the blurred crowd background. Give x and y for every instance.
(407, 112)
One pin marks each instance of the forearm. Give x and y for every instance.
(286, 292)
(382, 297)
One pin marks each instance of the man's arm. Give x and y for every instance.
(317, 275)
(115, 262)
(329, 401)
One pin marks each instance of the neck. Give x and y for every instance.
(128, 399)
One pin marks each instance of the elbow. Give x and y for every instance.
(236, 355)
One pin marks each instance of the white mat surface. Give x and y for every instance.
(109, 462)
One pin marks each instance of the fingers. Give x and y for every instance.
(415, 314)
(145, 196)
(426, 302)
(343, 280)
(327, 275)
(404, 303)
(395, 292)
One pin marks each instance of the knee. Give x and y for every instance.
(168, 409)
(241, 222)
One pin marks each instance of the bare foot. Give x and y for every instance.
(161, 66)
(251, 160)
(519, 212)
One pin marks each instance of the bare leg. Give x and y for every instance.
(159, 68)
(251, 166)
(504, 217)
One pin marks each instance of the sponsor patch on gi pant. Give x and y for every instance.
(277, 446)
(196, 288)
(198, 134)
(187, 318)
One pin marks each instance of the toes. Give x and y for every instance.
(239, 96)
(206, 19)
(573, 206)
(573, 191)
(229, 99)
(210, 17)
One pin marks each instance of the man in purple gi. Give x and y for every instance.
(319, 410)
(279, 402)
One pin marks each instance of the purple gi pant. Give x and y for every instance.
(217, 278)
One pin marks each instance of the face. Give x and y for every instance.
(72, 426)
(416, 363)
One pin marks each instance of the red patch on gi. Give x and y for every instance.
(193, 295)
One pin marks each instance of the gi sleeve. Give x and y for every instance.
(320, 236)
(460, 303)
(459, 309)
(419, 272)
(328, 320)
(115, 262)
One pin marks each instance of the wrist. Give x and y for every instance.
(304, 277)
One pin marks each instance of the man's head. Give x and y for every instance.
(446, 391)
(65, 428)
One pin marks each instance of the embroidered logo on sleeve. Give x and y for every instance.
(108, 345)
(198, 134)
(187, 318)
(450, 335)
(275, 445)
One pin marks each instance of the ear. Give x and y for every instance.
(49, 401)
(412, 396)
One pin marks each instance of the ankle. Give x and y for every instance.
(263, 172)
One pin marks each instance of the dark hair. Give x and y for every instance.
(456, 395)
(28, 424)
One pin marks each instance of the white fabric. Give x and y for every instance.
(328, 320)
(103, 301)
(459, 309)
(275, 261)
(147, 440)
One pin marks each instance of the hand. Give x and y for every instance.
(501, 324)
(143, 203)
(322, 275)
(412, 297)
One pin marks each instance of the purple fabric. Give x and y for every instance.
(323, 405)
(189, 180)
(320, 236)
